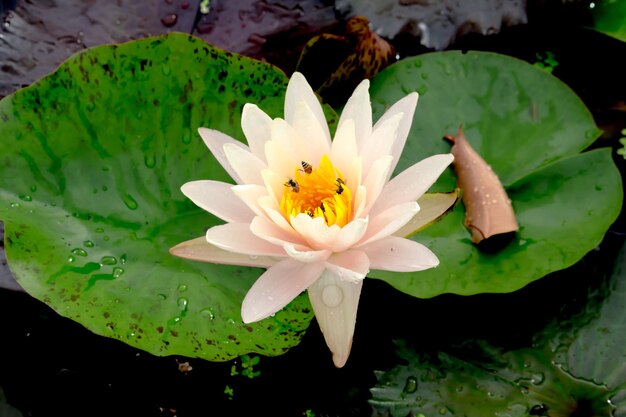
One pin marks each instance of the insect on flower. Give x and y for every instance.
(306, 167)
(293, 185)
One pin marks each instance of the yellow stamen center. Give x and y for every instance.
(319, 192)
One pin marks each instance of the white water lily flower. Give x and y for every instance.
(318, 214)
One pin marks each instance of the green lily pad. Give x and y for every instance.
(609, 17)
(93, 157)
(575, 367)
(531, 129)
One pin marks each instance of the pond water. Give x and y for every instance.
(50, 365)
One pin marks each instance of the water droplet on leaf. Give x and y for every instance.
(332, 295)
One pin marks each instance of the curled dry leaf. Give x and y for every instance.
(488, 210)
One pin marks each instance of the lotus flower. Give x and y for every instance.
(318, 214)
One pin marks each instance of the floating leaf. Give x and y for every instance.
(93, 159)
(609, 17)
(576, 367)
(530, 128)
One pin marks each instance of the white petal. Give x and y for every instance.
(311, 132)
(406, 106)
(359, 109)
(218, 199)
(315, 231)
(299, 89)
(273, 233)
(380, 141)
(389, 221)
(271, 210)
(281, 160)
(249, 194)
(413, 182)
(351, 265)
(335, 303)
(277, 287)
(375, 181)
(274, 184)
(257, 127)
(360, 198)
(398, 254)
(344, 150)
(350, 234)
(215, 141)
(247, 166)
(307, 256)
(200, 250)
(237, 237)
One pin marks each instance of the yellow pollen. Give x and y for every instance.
(319, 192)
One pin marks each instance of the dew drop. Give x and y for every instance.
(332, 295)
(130, 202)
(88, 244)
(99, 230)
(417, 63)
(169, 20)
(25, 197)
(182, 288)
(123, 259)
(33, 188)
(149, 160)
(79, 252)
(105, 188)
(410, 386)
(71, 259)
(108, 260)
(162, 296)
(182, 303)
(15, 205)
(105, 238)
(117, 272)
(208, 313)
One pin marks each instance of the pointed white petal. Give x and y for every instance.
(351, 265)
(277, 287)
(335, 303)
(375, 181)
(200, 250)
(299, 89)
(257, 127)
(389, 221)
(249, 194)
(344, 150)
(315, 231)
(215, 141)
(273, 233)
(380, 142)
(359, 109)
(413, 182)
(247, 166)
(406, 106)
(350, 234)
(394, 253)
(218, 199)
(237, 237)
(311, 132)
(306, 255)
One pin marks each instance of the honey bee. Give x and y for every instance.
(340, 184)
(293, 185)
(306, 167)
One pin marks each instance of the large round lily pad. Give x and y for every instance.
(93, 157)
(530, 128)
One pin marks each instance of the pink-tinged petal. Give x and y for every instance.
(360, 198)
(315, 231)
(299, 89)
(350, 234)
(218, 199)
(280, 160)
(271, 210)
(335, 303)
(351, 265)
(200, 250)
(353, 176)
(237, 237)
(343, 149)
(311, 132)
(380, 141)
(376, 180)
(277, 287)
(406, 106)
(301, 254)
(249, 194)
(413, 182)
(400, 255)
(389, 221)
(245, 164)
(359, 109)
(433, 206)
(271, 232)
(215, 141)
(274, 184)
(257, 127)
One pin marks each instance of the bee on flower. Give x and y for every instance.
(319, 225)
